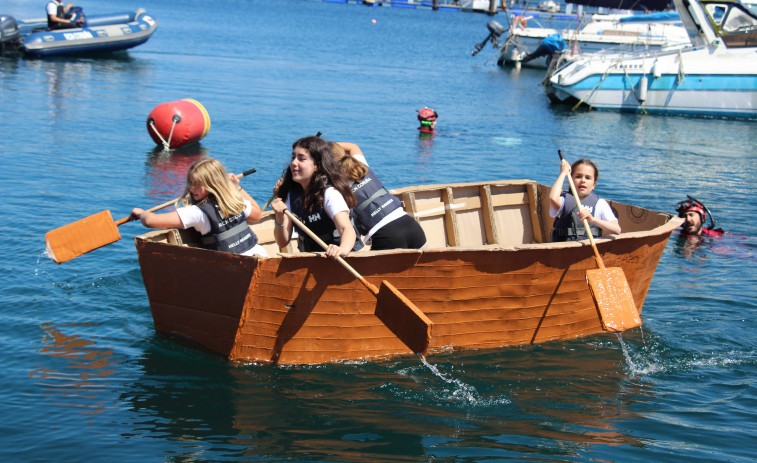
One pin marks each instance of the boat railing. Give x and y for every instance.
(464, 216)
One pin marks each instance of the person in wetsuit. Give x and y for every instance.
(695, 215)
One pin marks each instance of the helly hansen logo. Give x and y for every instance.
(314, 217)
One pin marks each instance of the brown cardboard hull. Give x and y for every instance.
(303, 308)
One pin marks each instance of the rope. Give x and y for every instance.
(170, 134)
(508, 42)
(681, 74)
(554, 64)
(591, 94)
(166, 144)
(630, 84)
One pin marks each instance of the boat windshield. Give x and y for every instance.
(751, 5)
(734, 23)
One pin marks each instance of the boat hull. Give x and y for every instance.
(707, 90)
(602, 33)
(125, 31)
(304, 309)
(714, 77)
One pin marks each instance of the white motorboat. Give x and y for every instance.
(530, 44)
(715, 76)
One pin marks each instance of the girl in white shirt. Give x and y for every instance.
(216, 206)
(568, 225)
(316, 191)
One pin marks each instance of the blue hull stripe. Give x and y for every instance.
(712, 82)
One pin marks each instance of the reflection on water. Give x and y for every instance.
(83, 375)
(690, 247)
(70, 78)
(699, 248)
(424, 155)
(167, 169)
(254, 411)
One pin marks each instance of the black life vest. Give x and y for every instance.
(374, 202)
(61, 13)
(231, 234)
(568, 227)
(319, 223)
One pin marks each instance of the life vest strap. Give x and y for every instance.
(213, 239)
(368, 201)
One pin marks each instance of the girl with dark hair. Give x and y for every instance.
(315, 191)
(563, 206)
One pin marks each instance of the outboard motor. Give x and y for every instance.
(10, 37)
(495, 30)
(76, 15)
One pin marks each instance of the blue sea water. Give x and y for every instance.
(86, 378)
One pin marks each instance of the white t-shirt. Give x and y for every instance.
(602, 210)
(52, 7)
(392, 216)
(193, 217)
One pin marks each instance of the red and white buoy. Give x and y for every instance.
(178, 123)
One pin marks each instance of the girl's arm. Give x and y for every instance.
(350, 148)
(554, 194)
(282, 231)
(256, 213)
(611, 227)
(347, 234)
(153, 220)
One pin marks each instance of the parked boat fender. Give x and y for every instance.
(178, 123)
(643, 84)
(656, 71)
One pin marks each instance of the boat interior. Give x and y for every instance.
(506, 214)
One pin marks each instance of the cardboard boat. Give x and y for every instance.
(488, 278)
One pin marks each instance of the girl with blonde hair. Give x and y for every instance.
(215, 205)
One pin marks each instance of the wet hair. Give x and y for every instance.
(352, 168)
(327, 173)
(210, 173)
(589, 163)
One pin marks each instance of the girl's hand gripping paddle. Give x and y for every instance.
(608, 286)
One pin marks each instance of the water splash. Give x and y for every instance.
(626, 354)
(464, 392)
(644, 363)
(39, 259)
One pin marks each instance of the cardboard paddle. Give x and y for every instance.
(80, 237)
(608, 286)
(397, 312)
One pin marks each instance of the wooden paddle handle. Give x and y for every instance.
(325, 246)
(586, 222)
(268, 203)
(173, 201)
